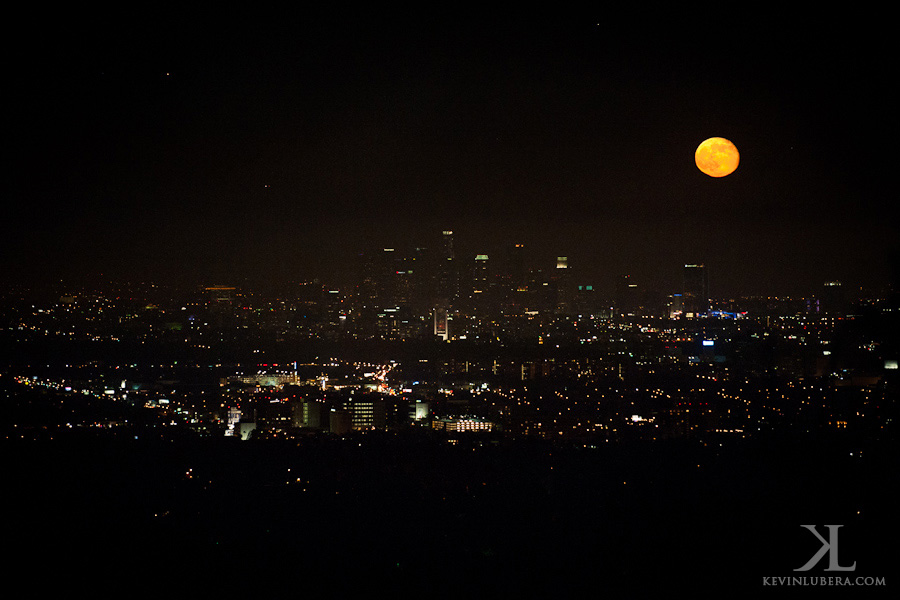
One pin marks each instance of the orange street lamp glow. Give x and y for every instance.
(717, 157)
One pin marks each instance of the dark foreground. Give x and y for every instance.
(418, 517)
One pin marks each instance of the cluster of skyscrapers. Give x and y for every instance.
(400, 294)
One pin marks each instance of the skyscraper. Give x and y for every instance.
(834, 300)
(441, 323)
(420, 269)
(518, 269)
(480, 275)
(695, 292)
(448, 277)
(627, 300)
(564, 289)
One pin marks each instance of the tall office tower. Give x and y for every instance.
(423, 281)
(334, 307)
(518, 271)
(695, 293)
(541, 294)
(220, 294)
(834, 302)
(675, 305)
(627, 296)
(383, 286)
(514, 281)
(480, 275)
(388, 283)
(221, 304)
(447, 272)
(441, 323)
(585, 301)
(403, 284)
(365, 295)
(564, 290)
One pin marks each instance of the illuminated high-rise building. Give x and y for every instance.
(584, 301)
(447, 272)
(441, 323)
(564, 289)
(518, 270)
(480, 275)
(834, 302)
(388, 284)
(418, 411)
(512, 282)
(220, 294)
(366, 412)
(627, 298)
(675, 305)
(695, 293)
(422, 276)
(221, 304)
(311, 412)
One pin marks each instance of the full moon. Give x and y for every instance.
(717, 157)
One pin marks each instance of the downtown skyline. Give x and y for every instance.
(207, 154)
(235, 355)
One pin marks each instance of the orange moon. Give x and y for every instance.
(717, 157)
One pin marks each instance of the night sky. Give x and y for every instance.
(200, 150)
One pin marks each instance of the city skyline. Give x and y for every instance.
(222, 153)
(500, 264)
(420, 302)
